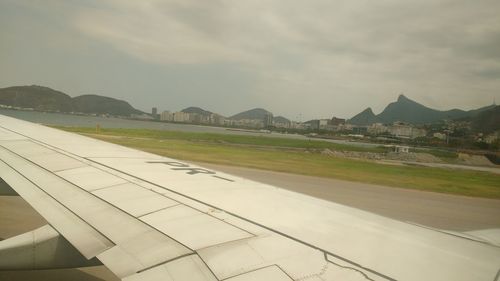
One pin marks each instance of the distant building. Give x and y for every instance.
(337, 121)
(282, 124)
(440, 136)
(418, 133)
(401, 130)
(401, 149)
(313, 124)
(194, 118)
(154, 112)
(359, 130)
(377, 129)
(297, 125)
(268, 119)
(323, 123)
(181, 117)
(167, 116)
(217, 119)
(492, 137)
(250, 123)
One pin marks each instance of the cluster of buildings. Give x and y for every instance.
(453, 130)
(216, 119)
(335, 125)
(398, 129)
(450, 132)
(196, 118)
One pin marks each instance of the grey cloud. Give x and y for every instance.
(317, 57)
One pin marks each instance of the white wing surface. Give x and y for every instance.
(148, 217)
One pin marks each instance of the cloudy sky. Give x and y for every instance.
(300, 59)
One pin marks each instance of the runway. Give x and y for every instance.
(430, 209)
(450, 212)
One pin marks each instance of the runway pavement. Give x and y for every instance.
(431, 209)
(437, 210)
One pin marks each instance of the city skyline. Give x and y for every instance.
(158, 109)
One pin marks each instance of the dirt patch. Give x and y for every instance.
(406, 157)
(353, 154)
(474, 160)
(413, 157)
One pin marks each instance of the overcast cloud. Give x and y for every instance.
(301, 59)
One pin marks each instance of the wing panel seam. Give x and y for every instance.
(90, 193)
(250, 221)
(58, 202)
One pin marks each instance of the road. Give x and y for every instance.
(431, 209)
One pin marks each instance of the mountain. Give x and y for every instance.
(364, 118)
(46, 99)
(487, 121)
(475, 112)
(256, 113)
(197, 110)
(36, 97)
(409, 111)
(280, 119)
(103, 105)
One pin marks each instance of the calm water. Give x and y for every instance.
(91, 121)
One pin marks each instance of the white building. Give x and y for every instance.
(181, 116)
(440, 136)
(323, 123)
(167, 116)
(406, 131)
(377, 129)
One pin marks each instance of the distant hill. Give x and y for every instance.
(487, 121)
(409, 111)
(197, 110)
(256, 113)
(46, 99)
(280, 119)
(475, 112)
(36, 97)
(103, 105)
(364, 118)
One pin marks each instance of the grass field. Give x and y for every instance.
(225, 139)
(299, 157)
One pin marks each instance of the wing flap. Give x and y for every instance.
(90, 178)
(138, 243)
(188, 268)
(267, 273)
(42, 156)
(185, 224)
(86, 239)
(7, 135)
(134, 199)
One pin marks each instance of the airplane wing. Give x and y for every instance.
(148, 217)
